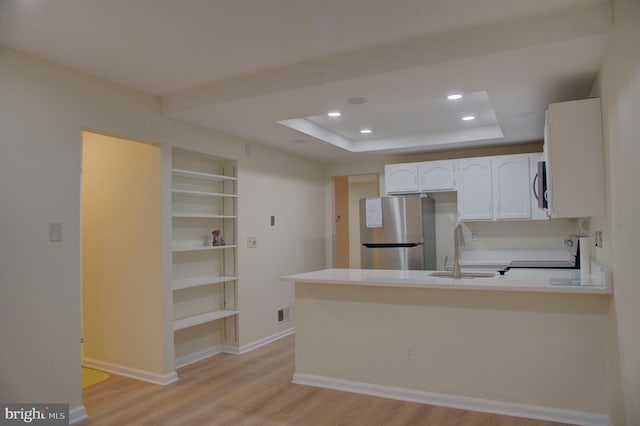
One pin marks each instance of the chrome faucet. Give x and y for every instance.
(458, 241)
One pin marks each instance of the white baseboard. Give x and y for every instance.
(77, 414)
(259, 343)
(454, 401)
(230, 349)
(197, 356)
(134, 373)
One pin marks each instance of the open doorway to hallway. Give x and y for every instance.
(348, 190)
(121, 311)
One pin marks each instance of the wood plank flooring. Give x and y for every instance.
(256, 389)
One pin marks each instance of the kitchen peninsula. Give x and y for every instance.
(529, 345)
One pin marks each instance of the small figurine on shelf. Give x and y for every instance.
(217, 239)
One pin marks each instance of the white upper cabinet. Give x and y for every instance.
(489, 188)
(495, 188)
(511, 193)
(475, 199)
(574, 154)
(434, 176)
(401, 178)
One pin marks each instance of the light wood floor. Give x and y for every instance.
(256, 389)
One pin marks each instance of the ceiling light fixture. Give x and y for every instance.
(334, 114)
(454, 96)
(468, 117)
(365, 131)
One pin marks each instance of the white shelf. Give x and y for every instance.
(204, 280)
(201, 175)
(202, 318)
(203, 216)
(200, 281)
(200, 248)
(203, 193)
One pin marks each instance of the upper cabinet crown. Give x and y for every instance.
(575, 159)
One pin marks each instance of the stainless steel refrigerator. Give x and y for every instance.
(397, 233)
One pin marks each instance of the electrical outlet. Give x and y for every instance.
(252, 242)
(409, 352)
(475, 235)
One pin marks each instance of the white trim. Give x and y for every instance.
(134, 373)
(231, 349)
(258, 343)
(77, 414)
(197, 356)
(454, 401)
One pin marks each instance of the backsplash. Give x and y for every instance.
(495, 235)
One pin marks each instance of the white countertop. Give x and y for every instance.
(525, 280)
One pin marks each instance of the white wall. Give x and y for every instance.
(121, 253)
(43, 110)
(620, 93)
(273, 184)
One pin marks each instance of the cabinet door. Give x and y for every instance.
(436, 176)
(401, 178)
(575, 165)
(475, 201)
(511, 193)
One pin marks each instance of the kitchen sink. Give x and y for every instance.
(449, 274)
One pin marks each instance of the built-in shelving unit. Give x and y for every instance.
(204, 199)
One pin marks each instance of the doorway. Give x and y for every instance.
(121, 290)
(348, 190)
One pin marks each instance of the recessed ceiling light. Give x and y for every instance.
(365, 131)
(334, 114)
(454, 96)
(357, 100)
(468, 117)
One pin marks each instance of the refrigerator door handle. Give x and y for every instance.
(383, 245)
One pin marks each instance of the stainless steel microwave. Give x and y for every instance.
(540, 185)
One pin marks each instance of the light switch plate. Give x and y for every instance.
(55, 231)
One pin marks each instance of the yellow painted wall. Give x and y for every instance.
(121, 253)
